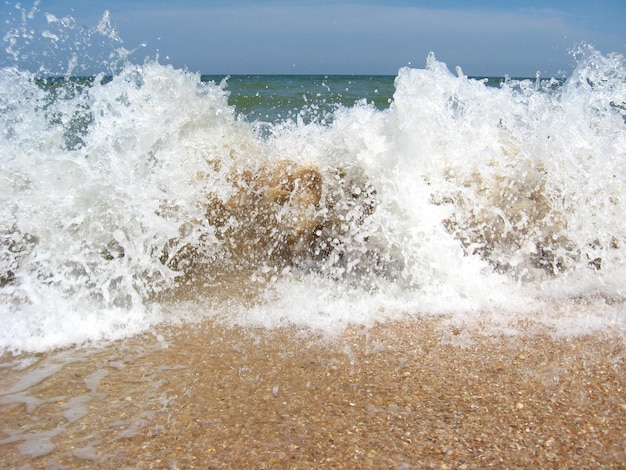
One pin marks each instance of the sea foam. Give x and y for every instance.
(464, 200)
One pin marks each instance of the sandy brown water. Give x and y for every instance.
(397, 395)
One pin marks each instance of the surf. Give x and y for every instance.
(143, 196)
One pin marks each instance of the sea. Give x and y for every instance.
(147, 195)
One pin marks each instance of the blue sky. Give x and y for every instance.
(345, 36)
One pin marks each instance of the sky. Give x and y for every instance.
(484, 37)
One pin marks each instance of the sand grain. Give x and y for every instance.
(393, 396)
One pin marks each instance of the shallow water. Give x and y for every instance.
(398, 394)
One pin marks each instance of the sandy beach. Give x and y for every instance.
(398, 395)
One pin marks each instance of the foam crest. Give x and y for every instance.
(528, 173)
(101, 176)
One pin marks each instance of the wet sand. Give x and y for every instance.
(399, 395)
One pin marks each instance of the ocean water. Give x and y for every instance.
(274, 98)
(149, 194)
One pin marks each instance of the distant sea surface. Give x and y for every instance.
(273, 98)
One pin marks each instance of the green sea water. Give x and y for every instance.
(275, 98)
(272, 98)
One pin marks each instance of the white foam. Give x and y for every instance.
(488, 201)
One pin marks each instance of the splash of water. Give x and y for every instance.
(122, 193)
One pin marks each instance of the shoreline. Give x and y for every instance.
(395, 395)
